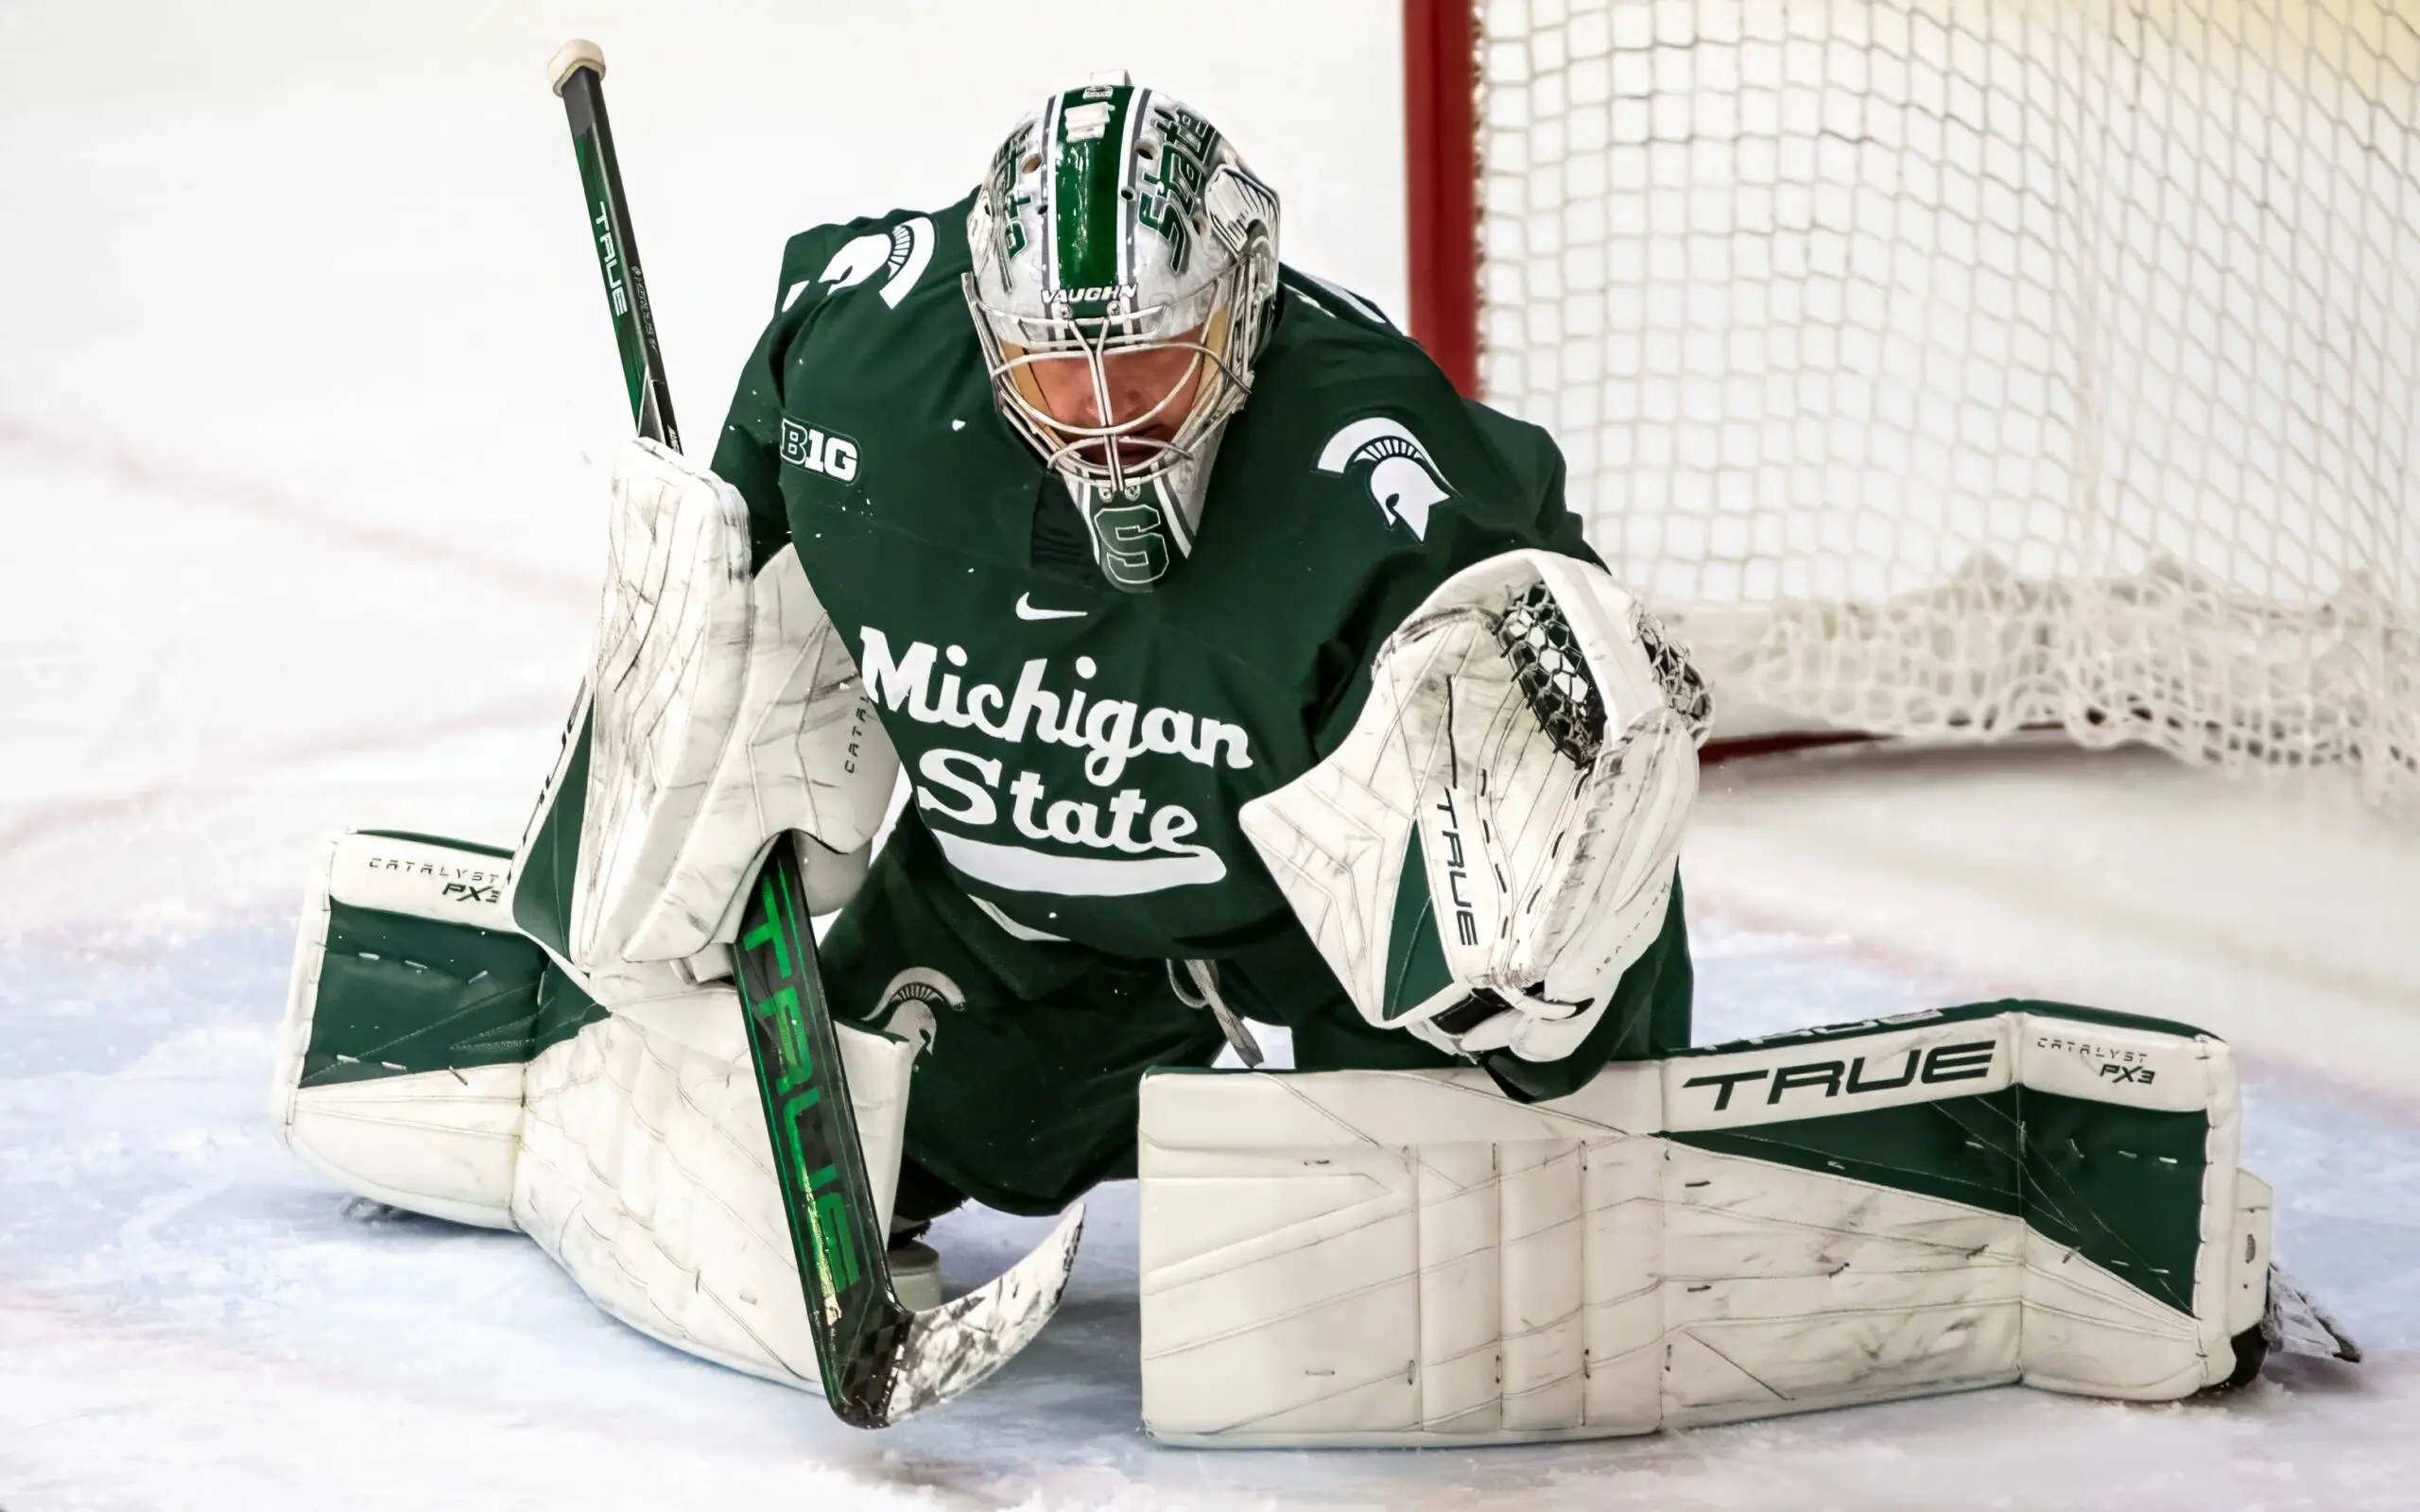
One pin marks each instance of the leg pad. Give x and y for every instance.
(434, 1058)
(2008, 1193)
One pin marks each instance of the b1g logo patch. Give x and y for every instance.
(829, 452)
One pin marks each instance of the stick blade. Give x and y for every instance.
(956, 1347)
(2295, 1323)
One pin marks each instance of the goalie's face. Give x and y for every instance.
(1131, 403)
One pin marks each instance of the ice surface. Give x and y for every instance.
(303, 385)
(189, 1318)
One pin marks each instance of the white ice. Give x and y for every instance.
(304, 381)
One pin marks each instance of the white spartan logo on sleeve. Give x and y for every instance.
(900, 254)
(907, 1004)
(1404, 483)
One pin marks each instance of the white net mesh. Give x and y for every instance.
(1950, 367)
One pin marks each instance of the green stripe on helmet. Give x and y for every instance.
(1088, 170)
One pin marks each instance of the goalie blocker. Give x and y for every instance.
(1982, 1195)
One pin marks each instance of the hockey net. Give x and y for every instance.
(1948, 368)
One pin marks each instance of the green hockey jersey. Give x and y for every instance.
(1079, 751)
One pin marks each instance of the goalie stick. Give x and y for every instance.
(880, 1360)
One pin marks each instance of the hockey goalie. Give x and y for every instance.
(1241, 673)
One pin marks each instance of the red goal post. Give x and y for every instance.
(1441, 55)
(1945, 368)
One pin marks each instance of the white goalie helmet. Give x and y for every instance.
(1116, 222)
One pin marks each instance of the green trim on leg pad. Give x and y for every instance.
(413, 1013)
(400, 995)
(549, 863)
(2121, 1186)
(419, 967)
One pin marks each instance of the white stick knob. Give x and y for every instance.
(572, 56)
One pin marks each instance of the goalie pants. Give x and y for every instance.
(1031, 1053)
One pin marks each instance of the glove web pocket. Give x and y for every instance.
(1545, 651)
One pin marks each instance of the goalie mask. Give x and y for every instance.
(1124, 282)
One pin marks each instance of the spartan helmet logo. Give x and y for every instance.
(899, 254)
(1403, 480)
(907, 1005)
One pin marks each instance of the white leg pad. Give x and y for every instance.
(1395, 1257)
(646, 1171)
(1404, 1258)
(634, 1152)
(440, 1143)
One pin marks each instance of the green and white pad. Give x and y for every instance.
(434, 1058)
(1981, 1195)
(1501, 827)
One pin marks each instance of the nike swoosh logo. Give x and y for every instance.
(1027, 611)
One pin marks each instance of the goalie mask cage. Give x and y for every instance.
(1945, 367)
